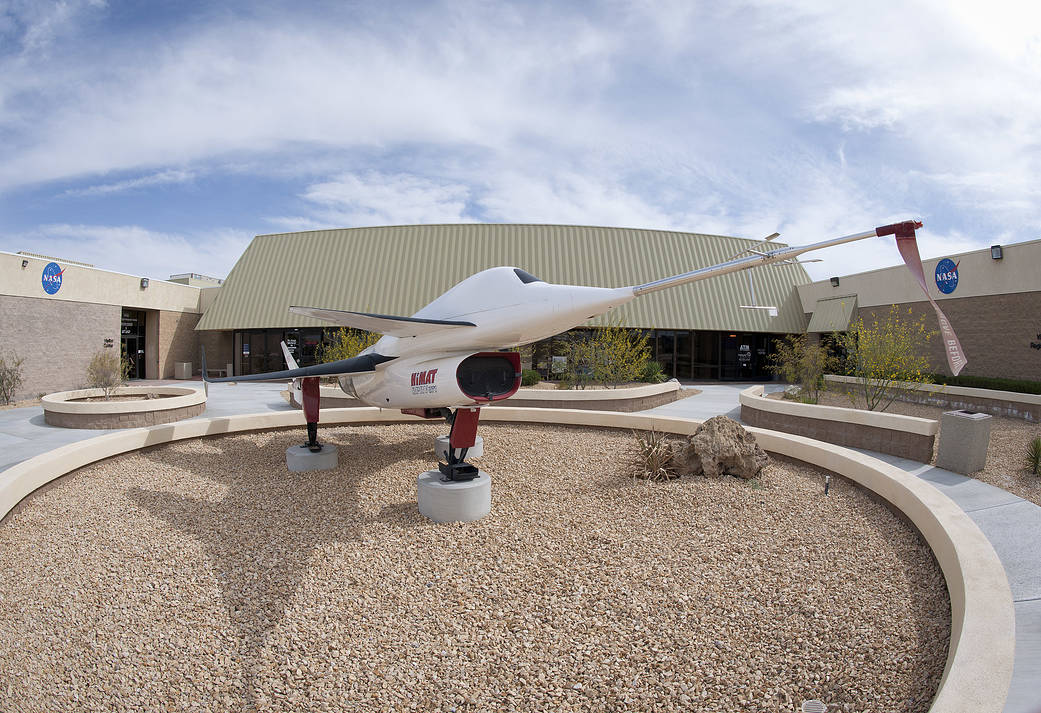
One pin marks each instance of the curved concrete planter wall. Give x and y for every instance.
(979, 662)
(961, 398)
(903, 436)
(637, 398)
(179, 402)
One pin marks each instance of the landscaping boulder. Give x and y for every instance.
(721, 446)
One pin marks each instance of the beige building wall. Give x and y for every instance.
(995, 309)
(56, 339)
(91, 285)
(58, 334)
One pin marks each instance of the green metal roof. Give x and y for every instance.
(399, 269)
(832, 314)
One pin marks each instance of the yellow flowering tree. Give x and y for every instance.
(610, 354)
(885, 353)
(345, 344)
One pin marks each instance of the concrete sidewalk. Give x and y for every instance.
(1010, 523)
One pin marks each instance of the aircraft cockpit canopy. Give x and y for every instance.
(526, 277)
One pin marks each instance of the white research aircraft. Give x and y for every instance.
(445, 356)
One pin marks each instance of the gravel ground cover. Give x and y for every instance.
(1005, 455)
(202, 575)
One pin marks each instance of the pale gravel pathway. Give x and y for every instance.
(203, 572)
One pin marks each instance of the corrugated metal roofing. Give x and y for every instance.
(833, 314)
(399, 269)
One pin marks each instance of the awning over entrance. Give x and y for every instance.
(833, 314)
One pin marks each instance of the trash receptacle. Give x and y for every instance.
(964, 438)
(182, 370)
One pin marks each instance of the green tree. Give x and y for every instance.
(798, 361)
(10, 377)
(107, 371)
(884, 354)
(345, 343)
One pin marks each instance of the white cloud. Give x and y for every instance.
(136, 250)
(376, 199)
(155, 179)
(812, 118)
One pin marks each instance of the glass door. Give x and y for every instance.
(666, 351)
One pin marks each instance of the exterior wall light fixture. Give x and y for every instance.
(834, 282)
(25, 264)
(995, 252)
(144, 282)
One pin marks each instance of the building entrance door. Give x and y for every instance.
(132, 341)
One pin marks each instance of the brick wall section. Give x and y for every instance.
(122, 420)
(882, 440)
(178, 341)
(220, 349)
(56, 338)
(995, 332)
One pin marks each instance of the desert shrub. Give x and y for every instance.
(883, 354)
(652, 373)
(108, 371)
(798, 361)
(1033, 456)
(530, 377)
(655, 457)
(10, 376)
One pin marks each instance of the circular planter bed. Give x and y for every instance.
(130, 407)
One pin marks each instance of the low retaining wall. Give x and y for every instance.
(902, 436)
(979, 662)
(637, 398)
(958, 398)
(178, 403)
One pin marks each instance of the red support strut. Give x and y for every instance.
(312, 406)
(464, 428)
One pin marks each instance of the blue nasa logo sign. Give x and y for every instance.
(52, 278)
(946, 276)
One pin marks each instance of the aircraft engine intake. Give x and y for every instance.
(490, 376)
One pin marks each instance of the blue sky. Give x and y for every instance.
(159, 138)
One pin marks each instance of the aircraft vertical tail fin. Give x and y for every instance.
(290, 361)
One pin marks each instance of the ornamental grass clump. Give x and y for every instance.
(655, 457)
(1033, 459)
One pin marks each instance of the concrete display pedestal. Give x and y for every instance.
(441, 449)
(300, 459)
(450, 501)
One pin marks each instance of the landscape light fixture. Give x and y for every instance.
(144, 282)
(834, 282)
(25, 264)
(995, 252)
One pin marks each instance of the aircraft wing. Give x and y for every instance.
(354, 365)
(380, 323)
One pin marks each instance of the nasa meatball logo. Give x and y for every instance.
(52, 278)
(946, 276)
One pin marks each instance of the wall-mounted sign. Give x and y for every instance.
(946, 276)
(52, 278)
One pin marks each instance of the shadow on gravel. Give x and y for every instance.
(260, 536)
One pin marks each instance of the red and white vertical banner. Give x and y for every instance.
(908, 247)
